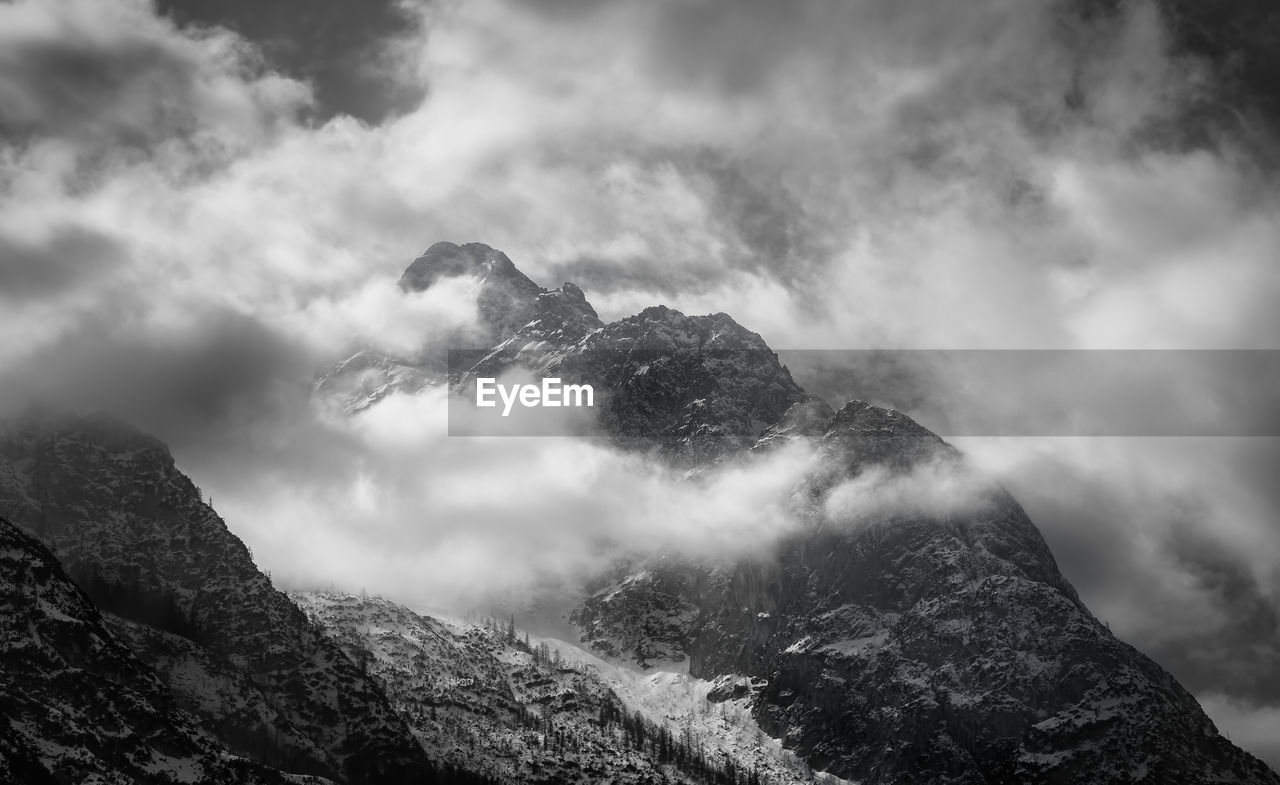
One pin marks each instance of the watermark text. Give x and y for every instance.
(552, 392)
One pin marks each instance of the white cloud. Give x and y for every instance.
(932, 489)
(405, 510)
(839, 175)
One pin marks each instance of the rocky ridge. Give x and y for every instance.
(134, 532)
(79, 705)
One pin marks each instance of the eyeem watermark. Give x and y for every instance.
(552, 393)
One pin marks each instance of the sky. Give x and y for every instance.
(203, 203)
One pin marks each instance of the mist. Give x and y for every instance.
(191, 228)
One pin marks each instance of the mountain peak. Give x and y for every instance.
(867, 433)
(447, 260)
(508, 298)
(568, 303)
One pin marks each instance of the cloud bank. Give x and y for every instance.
(191, 224)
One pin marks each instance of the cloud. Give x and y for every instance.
(348, 52)
(31, 267)
(113, 80)
(406, 510)
(190, 221)
(1168, 540)
(934, 489)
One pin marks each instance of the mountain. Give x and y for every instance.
(486, 698)
(934, 643)
(79, 706)
(236, 653)
(366, 377)
(907, 624)
(692, 388)
(507, 298)
(921, 632)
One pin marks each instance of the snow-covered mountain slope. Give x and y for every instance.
(715, 714)
(486, 698)
(367, 377)
(133, 531)
(78, 705)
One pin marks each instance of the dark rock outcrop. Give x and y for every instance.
(507, 299)
(691, 388)
(133, 530)
(79, 706)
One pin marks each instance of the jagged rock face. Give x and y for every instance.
(563, 316)
(807, 418)
(133, 530)
(647, 617)
(79, 706)
(507, 299)
(223, 698)
(693, 388)
(936, 646)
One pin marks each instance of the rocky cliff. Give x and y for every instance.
(79, 706)
(133, 531)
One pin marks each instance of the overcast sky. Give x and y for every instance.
(201, 203)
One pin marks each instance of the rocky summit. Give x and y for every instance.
(507, 299)
(692, 388)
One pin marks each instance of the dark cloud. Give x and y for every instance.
(1043, 392)
(769, 229)
(1153, 540)
(730, 47)
(1236, 39)
(340, 46)
(1243, 658)
(225, 372)
(76, 85)
(112, 88)
(54, 263)
(988, 174)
